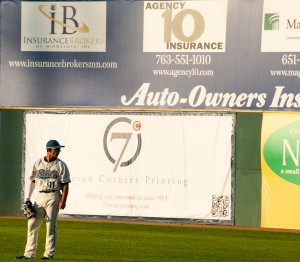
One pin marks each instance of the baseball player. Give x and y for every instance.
(50, 178)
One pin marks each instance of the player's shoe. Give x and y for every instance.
(23, 257)
(46, 258)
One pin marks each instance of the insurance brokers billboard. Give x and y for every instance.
(194, 55)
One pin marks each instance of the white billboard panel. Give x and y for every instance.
(140, 165)
(63, 26)
(280, 27)
(187, 26)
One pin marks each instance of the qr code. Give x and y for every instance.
(220, 206)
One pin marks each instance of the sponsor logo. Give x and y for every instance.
(68, 13)
(271, 21)
(281, 26)
(184, 26)
(122, 140)
(281, 152)
(63, 26)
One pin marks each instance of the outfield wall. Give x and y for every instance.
(11, 140)
(248, 170)
(247, 190)
(172, 56)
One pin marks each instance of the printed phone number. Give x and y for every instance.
(199, 59)
(290, 59)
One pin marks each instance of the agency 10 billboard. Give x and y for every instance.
(194, 55)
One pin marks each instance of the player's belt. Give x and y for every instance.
(51, 191)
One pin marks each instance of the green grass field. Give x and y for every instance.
(105, 241)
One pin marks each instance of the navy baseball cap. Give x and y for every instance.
(53, 144)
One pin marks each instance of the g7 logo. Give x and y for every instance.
(126, 137)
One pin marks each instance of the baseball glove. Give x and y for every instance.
(28, 210)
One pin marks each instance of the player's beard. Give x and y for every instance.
(52, 156)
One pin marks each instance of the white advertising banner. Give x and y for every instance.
(61, 26)
(280, 27)
(187, 26)
(140, 165)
